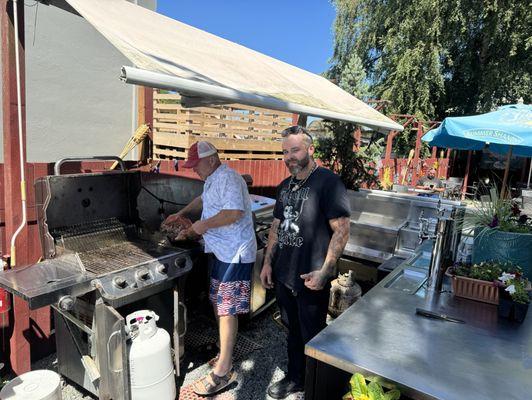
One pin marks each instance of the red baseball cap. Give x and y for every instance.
(198, 151)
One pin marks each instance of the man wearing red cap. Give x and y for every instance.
(227, 228)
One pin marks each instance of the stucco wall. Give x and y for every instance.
(76, 105)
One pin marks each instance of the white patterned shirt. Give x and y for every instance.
(225, 189)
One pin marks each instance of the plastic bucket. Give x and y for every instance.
(34, 385)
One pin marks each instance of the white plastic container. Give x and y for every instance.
(151, 369)
(34, 385)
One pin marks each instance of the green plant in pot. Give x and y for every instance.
(501, 232)
(514, 296)
(359, 389)
(478, 281)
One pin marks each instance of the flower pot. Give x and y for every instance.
(519, 312)
(493, 244)
(474, 289)
(505, 308)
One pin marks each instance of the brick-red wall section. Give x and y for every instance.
(267, 174)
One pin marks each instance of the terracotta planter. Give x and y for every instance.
(474, 289)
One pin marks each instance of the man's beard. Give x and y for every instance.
(300, 166)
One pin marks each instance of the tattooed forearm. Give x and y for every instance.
(272, 242)
(340, 227)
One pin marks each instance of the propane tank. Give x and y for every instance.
(151, 369)
(344, 292)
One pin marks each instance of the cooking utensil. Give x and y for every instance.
(435, 315)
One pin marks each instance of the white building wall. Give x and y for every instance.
(76, 105)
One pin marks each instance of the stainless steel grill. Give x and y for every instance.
(103, 260)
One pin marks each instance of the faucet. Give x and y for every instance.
(423, 233)
(441, 246)
(424, 223)
(440, 253)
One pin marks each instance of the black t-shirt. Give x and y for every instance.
(304, 232)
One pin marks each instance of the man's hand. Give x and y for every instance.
(315, 280)
(171, 220)
(200, 227)
(266, 276)
(187, 234)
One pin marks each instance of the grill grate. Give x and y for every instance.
(106, 245)
(117, 257)
(94, 235)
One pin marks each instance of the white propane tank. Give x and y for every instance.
(151, 369)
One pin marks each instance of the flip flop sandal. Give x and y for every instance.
(211, 383)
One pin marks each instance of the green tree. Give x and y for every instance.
(434, 58)
(335, 150)
(352, 78)
(488, 55)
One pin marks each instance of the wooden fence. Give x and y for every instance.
(239, 132)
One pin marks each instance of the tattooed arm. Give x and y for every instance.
(266, 273)
(316, 280)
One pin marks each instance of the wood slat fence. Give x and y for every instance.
(239, 132)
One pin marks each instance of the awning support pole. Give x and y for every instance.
(466, 177)
(190, 87)
(504, 189)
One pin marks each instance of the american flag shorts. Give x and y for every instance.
(230, 289)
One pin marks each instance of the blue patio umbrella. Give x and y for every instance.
(508, 130)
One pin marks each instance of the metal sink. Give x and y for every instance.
(408, 280)
(422, 261)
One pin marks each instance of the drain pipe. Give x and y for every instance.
(20, 138)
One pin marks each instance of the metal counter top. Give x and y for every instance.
(485, 358)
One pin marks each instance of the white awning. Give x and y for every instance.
(171, 55)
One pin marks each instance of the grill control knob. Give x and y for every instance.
(162, 269)
(66, 303)
(119, 282)
(181, 262)
(142, 274)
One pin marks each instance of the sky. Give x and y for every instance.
(298, 32)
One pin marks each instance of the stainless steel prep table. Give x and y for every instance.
(485, 358)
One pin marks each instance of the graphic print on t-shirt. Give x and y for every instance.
(293, 202)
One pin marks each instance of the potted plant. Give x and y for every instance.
(501, 232)
(476, 281)
(514, 296)
(360, 390)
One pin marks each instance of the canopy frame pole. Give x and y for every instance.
(529, 174)
(466, 176)
(189, 87)
(417, 168)
(506, 172)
